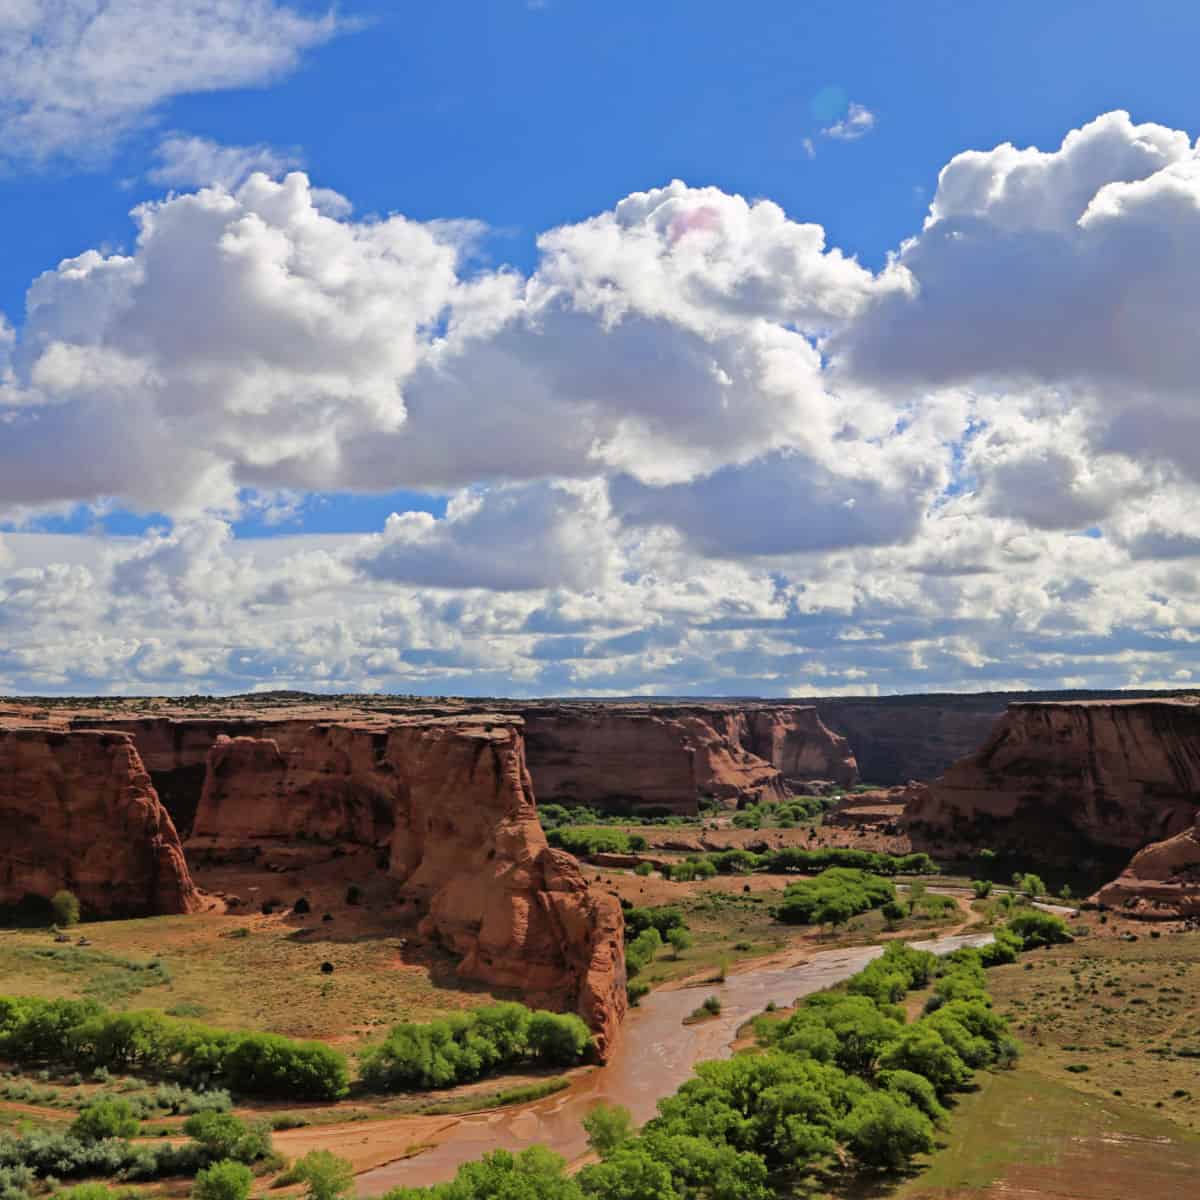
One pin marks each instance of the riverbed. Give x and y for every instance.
(657, 1052)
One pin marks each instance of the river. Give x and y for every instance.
(657, 1052)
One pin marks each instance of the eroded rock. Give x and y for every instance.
(79, 812)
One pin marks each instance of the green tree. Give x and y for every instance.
(1032, 886)
(680, 940)
(982, 888)
(325, 1176)
(225, 1180)
(882, 1130)
(105, 1119)
(65, 906)
(630, 1174)
(558, 1038)
(607, 1127)
(916, 893)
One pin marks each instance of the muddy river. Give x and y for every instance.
(656, 1054)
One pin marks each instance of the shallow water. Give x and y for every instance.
(656, 1054)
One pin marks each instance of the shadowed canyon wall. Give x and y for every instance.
(79, 812)
(1053, 779)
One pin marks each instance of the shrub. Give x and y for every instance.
(680, 940)
(65, 906)
(1036, 928)
(833, 897)
(465, 1046)
(644, 869)
(325, 1176)
(224, 1136)
(105, 1119)
(607, 1127)
(223, 1181)
(982, 888)
(558, 1038)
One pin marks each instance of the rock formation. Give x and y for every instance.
(1161, 883)
(450, 804)
(1058, 778)
(79, 812)
(795, 741)
(675, 758)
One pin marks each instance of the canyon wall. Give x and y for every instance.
(449, 804)
(79, 812)
(1162, 882)
(1057, 778)
(674, 758)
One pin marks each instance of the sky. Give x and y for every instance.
(527, 348)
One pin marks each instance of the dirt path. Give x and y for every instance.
(34, 1110)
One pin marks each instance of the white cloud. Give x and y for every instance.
(858, 122)
(515, 538)
(75, 75)
(200, 162)
(694, 450)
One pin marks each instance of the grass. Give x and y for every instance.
(1024, 1135)
(1112, 1016)
(268, 980)
(521, 1094)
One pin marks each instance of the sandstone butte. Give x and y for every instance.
(79, 812)
(444, 804)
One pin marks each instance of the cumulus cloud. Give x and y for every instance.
(75, 75)
(185, 161)
(694, 450)
(516, 538)
(858, 122)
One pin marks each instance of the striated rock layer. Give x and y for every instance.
(674, 759)
(1053, 778)
(449, 804)
(79, 812)
(1161, 883)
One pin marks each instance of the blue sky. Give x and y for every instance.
(709, 439)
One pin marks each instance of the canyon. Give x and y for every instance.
(1057, 779)
(437, 801)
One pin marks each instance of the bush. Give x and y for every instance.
(560, 1039)
(82, 1035)
(224, 1136)
(982, 888)
(644, 869)
(223, 1181)
(1036, 928)
(607, 1127)
(325, 1176)
(105, 1119)
(65, 906)
(466, 1046)
(680, 940)
(833, 897)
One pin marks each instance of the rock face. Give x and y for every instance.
(1055, 778)
(800, 746)
(79, 812)
(1161, 883)
(898, 738)
(449, 804)
(673, 759)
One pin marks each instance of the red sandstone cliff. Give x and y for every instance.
(1053, 777)
(1162, 882)
(795, 741)
(452, 802)
(673, 757)
(79, 812)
